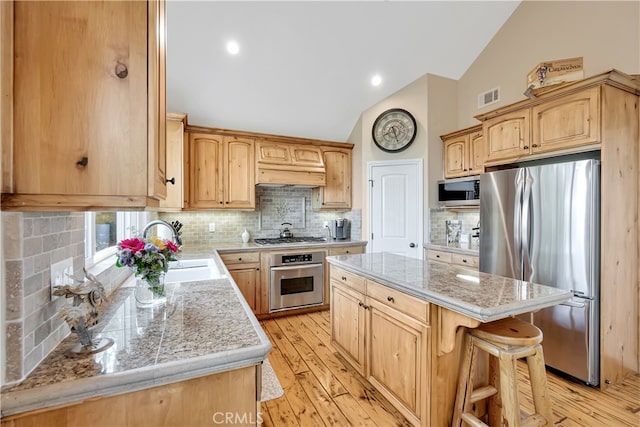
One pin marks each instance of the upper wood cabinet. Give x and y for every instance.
(336, 194)
(285, 163)
(507, 136)
(463, 152)
(84, 115)
(177, 188)
(564, 123)
(221, 172)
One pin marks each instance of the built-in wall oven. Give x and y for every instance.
(296, 280)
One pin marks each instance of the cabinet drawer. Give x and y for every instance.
(412, 306)
(346, 250)
(465, 260)
(347, 278)
(439, 256)
(240, 257)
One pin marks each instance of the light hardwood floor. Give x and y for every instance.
(320, 388)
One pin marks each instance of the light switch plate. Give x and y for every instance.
(61, 274)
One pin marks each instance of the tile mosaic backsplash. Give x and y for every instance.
(276, 205)
(439, 218)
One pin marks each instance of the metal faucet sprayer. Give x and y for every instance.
(175, 227)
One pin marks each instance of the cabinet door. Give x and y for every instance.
(175, 163)
(239, 173)
(205, 153)
(397, 355)
(347, 324)
(455, 154)
(476, 153)
(70, 105)
(157, 106)
(507, 136)
(336, 194)
(568, 122)
(247, 280)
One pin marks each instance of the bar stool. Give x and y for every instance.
(506, 341)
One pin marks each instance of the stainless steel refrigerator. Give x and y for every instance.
(542, 224)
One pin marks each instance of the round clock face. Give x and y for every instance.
(394, 130)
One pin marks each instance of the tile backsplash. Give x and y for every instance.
(275, 206)
(438, 218)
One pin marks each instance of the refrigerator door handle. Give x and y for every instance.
(574, 304)
(517, 219)
(527, 221)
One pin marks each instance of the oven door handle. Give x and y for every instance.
(296, 267)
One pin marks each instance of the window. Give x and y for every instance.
(103, 231)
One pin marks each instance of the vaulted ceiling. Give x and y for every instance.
(304, 68)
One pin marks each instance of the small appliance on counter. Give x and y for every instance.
(340, 229)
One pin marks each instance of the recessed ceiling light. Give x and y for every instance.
(376, 80)
(233, 47)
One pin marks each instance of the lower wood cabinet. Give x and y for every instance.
(245, 271)
(346, 250)
(463, 260)
(382, 342)
(202, 401)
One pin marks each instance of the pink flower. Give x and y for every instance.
(135, 245)
(171, 246)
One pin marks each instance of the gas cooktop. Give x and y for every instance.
(281, 240)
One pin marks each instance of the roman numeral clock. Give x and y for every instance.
(394, 130)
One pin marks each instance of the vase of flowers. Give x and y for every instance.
(149, 260)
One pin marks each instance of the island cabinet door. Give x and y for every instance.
(347, 324)
(398, 360)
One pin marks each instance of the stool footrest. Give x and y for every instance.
(472, 420)
(483, 393)
(535, 420)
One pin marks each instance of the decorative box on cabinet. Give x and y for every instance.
(464, 152)
(336, 194)
(86, 132)
(221, 172)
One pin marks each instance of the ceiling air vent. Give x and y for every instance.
(489, 97)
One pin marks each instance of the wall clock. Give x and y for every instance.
(394, 130)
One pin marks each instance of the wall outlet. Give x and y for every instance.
(325, 224)
(212, 227)
(61, 274)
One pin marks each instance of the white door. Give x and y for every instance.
(395, 214)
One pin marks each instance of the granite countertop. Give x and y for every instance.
(223, 247)
(455, 248)
(206, 327)
(481, 296)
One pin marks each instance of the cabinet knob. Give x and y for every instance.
(172, 181)
(390, 299)
(82, 162)
(347, 251)
(239, 259)
(437, 256)
(221, 202)
(344, 278)
(360, 304)
(526, 147)
(534, 145)
(464, 260)
(121, 70)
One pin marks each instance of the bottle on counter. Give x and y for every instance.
(245, 236)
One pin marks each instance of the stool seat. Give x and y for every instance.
(509, 331)
(505, 341)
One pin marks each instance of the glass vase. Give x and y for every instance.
(150, 291)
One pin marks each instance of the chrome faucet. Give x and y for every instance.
(174, 226)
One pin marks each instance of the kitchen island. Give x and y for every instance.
(400, 322)
(189, 361)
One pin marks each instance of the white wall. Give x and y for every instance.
(605, 33)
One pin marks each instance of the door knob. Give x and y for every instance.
(412, 245)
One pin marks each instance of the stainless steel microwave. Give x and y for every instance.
(459, 191)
